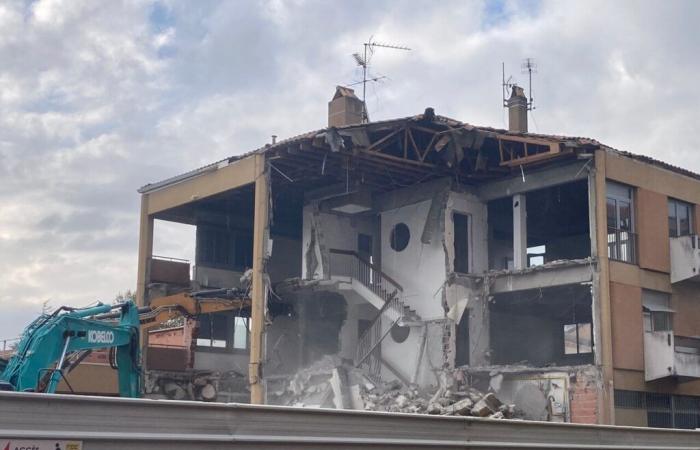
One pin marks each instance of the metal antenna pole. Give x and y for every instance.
(363, 61)
(364, 87)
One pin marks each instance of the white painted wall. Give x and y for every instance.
(419, 268)
(339, 232)
(469, 204)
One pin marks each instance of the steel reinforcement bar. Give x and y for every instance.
(133, 424)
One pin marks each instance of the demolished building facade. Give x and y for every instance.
(556, 272)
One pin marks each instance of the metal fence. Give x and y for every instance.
(101, 423)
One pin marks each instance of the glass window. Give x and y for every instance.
(240, 333)
(680, 216)
(223, 331)
(578, 338)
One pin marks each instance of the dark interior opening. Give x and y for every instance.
(557, 226)
(541, 327)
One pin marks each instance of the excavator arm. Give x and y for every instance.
(188, 305)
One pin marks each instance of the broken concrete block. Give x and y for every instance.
(461, 408)
(434, 408)
(356, 398)
(488, 404)
(497, 415)
(401, 401)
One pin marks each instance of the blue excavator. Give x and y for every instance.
(53, 344)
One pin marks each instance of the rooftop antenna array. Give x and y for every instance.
(363, 61)
(529, 67)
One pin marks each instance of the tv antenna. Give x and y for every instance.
(363, 61)
(529, 67)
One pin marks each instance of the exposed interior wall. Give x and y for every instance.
(465, 295)
(359, 314)
(285, 261)
(331, 231)
(308, 330)
(419, 358)
(470, 205)
(557, 226)
(528, 327)
(421, 293)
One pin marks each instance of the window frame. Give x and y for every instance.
(230, 325)
(610, 194)
(578, 326)
(675, 203)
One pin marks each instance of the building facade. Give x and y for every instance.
(557, 272)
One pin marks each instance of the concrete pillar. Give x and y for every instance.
(519, 232)
(259, 290)
(145, 251)
(606, 405)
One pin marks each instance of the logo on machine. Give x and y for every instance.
(100, 337)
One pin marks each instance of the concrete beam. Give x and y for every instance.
(539, 179)
(542, 278)
(411, 195)
(236, 174)
(145, 250)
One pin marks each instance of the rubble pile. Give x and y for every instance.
(330, 384)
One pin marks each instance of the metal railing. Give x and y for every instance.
(622, 245)
(346, 263)
(103, 423)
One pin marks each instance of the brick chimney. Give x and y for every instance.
(517, 110)
(345, 108)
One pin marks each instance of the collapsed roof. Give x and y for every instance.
(389, 154)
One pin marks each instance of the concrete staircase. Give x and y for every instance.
(352, 272)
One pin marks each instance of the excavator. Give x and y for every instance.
(54, 344)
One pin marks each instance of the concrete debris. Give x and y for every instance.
(329, 383)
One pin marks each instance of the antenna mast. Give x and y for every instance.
(363, 61)
(529, 66)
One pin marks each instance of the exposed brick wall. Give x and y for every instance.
(583, 399)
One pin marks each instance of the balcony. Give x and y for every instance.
(685, 258)
(622, 245)
(666, 355)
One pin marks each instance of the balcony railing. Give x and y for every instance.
(622, 245)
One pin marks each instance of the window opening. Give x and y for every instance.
(622, 242)
(461, 242)
(399, 237)
(680, 216)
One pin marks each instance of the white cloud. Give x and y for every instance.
(99, 98)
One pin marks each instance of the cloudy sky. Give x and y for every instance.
(98, 98)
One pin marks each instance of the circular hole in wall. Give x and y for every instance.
(399, 333)
(399, 237)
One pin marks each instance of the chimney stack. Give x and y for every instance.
(345, 108)
(517, 110)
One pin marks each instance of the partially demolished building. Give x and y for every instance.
(557, 272)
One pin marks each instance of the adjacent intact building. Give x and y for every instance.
(559, 272)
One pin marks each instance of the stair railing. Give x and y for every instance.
(347, 263)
